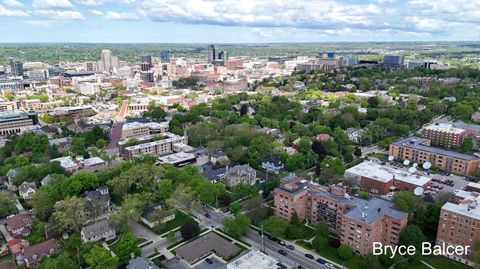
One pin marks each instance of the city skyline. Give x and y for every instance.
(205, 21)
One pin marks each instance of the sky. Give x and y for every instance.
(238, 21)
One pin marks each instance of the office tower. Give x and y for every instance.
(222, 56)
(393, 61)
(146, 62)
(16, 67)
(147, 76)
(165, 56)
(210, 53)
(108, 62)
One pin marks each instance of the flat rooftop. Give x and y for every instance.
(369, 211)
(444, 127)
(418, 143)
(385, 173)
(469, 206)
(253, 259)
(150, 125)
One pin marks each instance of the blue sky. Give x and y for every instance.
(237, 21)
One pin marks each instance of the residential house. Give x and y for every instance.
(34, 254)
(97, 203)
(141, 263)
(19, 225)
(217, 156)
(354, 134)
(240, 174)
(26, 190)
(98, 230)
(16, 247)
(272, 164)
(155, 214)
(45, 180)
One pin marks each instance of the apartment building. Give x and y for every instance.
(459, 225)
(358, 222)
(156, 148)
(13, 122)
(444, 135)
(419, 150)
(8, 105)
(138, 129)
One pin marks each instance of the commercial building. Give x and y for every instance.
(235, 85)
(70, 112)
(358, 222)
(16, 68)
(418, 150)
(459, 225)
(253, 259)
(210, 53)
(178, 159)
(393, 61)
(380, 179)
(444, 135)
(138, 129)
(13, 122)
(155, 148)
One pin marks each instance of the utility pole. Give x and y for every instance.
(263, 240)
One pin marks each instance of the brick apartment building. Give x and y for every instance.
(418, 150)
(444, 135)
(358, 222)
(459, 225)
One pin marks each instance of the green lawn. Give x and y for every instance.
(441, 262)
(179, 220)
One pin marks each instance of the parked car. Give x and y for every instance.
(283, 252)
(209, 261)
(300, 267)
(329, 265)
(281, 243)
(290, 247)
(207, 215)
(321, 261)
(281, 266)
(310, 256)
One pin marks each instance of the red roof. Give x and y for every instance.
(18, 221)
(36, 252)
(17, 245)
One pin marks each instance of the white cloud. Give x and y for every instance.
(60, 15)
(92, 3)
(97, 12)
(12, 12)
(52, 4)
(13, 3)
(124, 16)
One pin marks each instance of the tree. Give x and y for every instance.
(412, 235)
(189, 230)
(101, 143)
(8, 204)
(184, 198)
(132, 208)
(406, 201)
(100, 258)
(165, 189)
(236, 226)
(322, 229)
(319, 243)
(467, 145)
(126, 247)
(344, 252)
(235, 207)
(295, 220)
(275, 225)
(61, 261)
(78, 146)
(358, 152)
(68, 215)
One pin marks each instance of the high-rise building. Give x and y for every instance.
(165, 56)
(16, 67)
(222, 56)
(108, 62)
(146, 62)
(210, 53)
(444, 134)
(393, 61)
(147, 76)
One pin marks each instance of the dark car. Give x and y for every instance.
(300, 267)
(209, 261)
(321, 261)
(281, 266)
(290, 247)
(310, 256)
(273, 238)
(283, 252)
(207, 215)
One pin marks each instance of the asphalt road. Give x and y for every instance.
(293, 258)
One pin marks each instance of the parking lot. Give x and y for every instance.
(215, 264)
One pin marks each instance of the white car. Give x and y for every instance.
(329, 265)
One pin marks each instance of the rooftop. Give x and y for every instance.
(369, 211)
(97, 228)
(385, 173)
(253, 259)
(176, 157)
(65, 162)
(150, 125)
(469, 206)
(444, 127)
(418, 143)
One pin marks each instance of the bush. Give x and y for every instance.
(334, 243)
(344, 252)
(189, 230)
